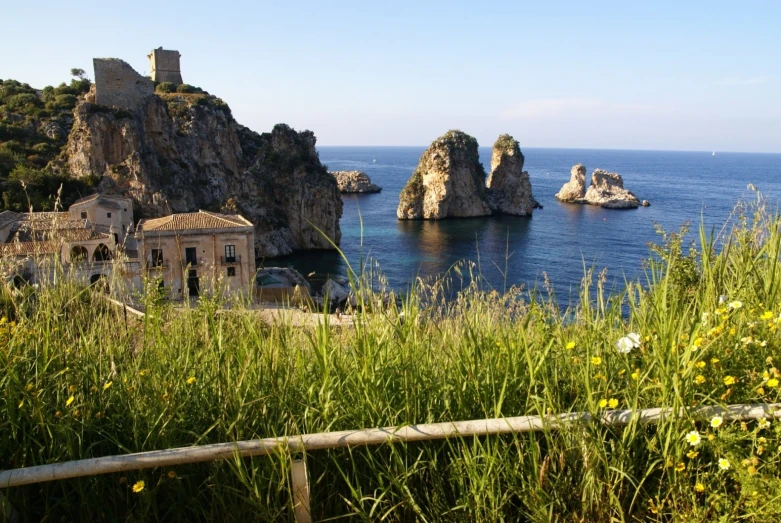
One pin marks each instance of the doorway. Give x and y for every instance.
(193, 284)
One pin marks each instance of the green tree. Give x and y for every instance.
(78, 73)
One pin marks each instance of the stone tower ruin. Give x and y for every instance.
(164, 66)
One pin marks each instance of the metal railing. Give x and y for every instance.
(229, 260)
(356, 438)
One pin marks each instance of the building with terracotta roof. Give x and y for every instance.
(197, 252)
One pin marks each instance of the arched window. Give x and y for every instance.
(102, 253)
(78, 254)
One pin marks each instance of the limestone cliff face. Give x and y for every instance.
(606, 190)
(186, 152)
(449, 182)
(509, 188)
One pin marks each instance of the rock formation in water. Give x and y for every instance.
(575, 189)
(354, 182)
(509, 188)
(449, 182)
(183, 152)
(606, 190)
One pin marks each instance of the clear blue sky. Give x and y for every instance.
(663, 75)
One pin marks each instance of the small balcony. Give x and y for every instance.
(230, 260)
(159, 263)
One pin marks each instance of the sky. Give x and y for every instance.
(618, 75)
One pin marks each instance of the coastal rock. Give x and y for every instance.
(181, 153)
(449, 182)
(606, 190)
(334, 292)
(509, 188)
(354, 182)
(575, 189)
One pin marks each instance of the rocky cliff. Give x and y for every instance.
(350, 182)
(606, 190)
(182, 152)
(449, 182)
(509, 188)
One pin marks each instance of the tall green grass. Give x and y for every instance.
(78, 381)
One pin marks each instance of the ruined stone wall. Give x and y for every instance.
(119, 85)
(164, 66)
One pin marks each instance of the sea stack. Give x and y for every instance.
(449, 182)
(606, 190)
(509, 188)
(351, 182)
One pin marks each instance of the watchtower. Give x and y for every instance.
(164, 66)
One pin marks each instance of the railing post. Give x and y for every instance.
(299, 480)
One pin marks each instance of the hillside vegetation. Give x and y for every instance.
(700, 330)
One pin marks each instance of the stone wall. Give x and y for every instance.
(164, 66)
(119, 85)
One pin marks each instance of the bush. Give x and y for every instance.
(23, 102)
(187, 89)
(165, 87)
(63, 102)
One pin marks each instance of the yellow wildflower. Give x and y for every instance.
(602, 403)
(636, 374)
(699, 487)
(729, 380)
(70, 400)
(172, 474)
(699, 379)
(761, 391)
(143, 373)
(570, 345)
(138, 486)
(752, 470)
(108, 385)
(680, 467)
(191, 380)
(692, 454)
(700, 364)
(767, 315)
(772, 382)
(29, 387)
(762, 423)
(72, 388)
(612, 403)
(711, 437)
(714, 361)
(596, 360)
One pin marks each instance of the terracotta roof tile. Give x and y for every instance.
(194, 220)
(28, 248)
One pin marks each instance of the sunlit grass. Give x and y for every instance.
(78, 381)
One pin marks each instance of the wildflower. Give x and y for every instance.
(29, 387)
(570, 345)
(602, 403)
(612, 403)
(761, 391)
(735, 305)
(711, 437)
(595, 360)
(700, 364)
(70, 400)
(191, 380)
(636, 374)
(719, 311)
(716, 422)
(772, 382)
(752, 470)
(748, 340)
(143, 373)
(724, 464)
(766, 315)
(762, 423)
(108, 385)
(699, 487)
(729, 380)
(714, 361)
(693, 438)
(138, 486)
(699, 379)
(760, 450)
(622, 372)
(172, 474)
(762, 439)
(692, 454)
(72, 388)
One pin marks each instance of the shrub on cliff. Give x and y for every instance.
(165, 87)
(188, 89)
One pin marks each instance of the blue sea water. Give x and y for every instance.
(560, 238)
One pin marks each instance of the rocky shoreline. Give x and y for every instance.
(606, 190)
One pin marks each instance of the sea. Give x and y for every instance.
(560, 241)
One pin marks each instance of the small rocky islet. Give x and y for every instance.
(606, 190)
(354, 182)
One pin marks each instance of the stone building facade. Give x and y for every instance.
(164, 66)
(118, 85)
(193, 253)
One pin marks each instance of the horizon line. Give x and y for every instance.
(717, 151)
